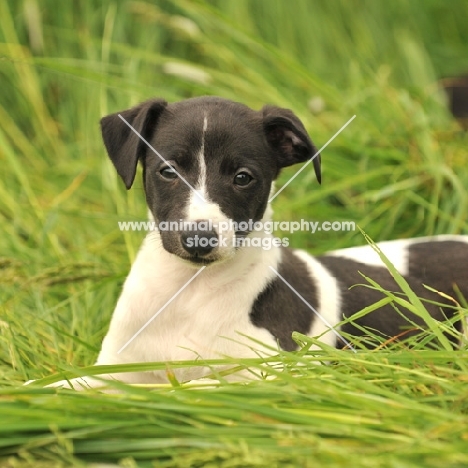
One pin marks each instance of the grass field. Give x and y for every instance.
(400, 169)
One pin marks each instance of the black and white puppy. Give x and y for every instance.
(219, 161)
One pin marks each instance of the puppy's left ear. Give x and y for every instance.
(286, 134)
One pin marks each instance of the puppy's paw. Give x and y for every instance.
(79, 383)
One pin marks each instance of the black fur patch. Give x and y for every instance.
(386, 321)
(441, 265)
(279, 310)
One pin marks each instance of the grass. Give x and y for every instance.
(381, 409)
(399, 170)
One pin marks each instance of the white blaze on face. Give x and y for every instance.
(201, 185)
(201, 208)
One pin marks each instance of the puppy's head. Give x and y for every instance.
(208, 165)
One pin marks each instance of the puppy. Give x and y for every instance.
(200, 293)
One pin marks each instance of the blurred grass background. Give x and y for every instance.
(398, 170)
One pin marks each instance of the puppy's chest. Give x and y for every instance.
(203, 320)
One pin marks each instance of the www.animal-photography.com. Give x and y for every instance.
(234, 233)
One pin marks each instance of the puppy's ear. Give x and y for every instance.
(123, 145)
(286, 134)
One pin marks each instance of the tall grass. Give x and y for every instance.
(399, 170)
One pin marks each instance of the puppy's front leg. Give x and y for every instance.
(82, 383)
(78, 383)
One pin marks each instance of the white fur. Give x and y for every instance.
(200, 197)
(200, 207)
(209, 319)
(202, 322)
(396, 251)
(329, 299)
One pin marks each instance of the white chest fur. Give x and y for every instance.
(201, 321)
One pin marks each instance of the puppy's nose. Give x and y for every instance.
(199, 243)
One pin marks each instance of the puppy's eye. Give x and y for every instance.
(168, 173)
(243, 179)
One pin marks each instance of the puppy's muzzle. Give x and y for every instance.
(199, 243)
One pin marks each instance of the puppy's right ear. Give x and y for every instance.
(123, 145)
